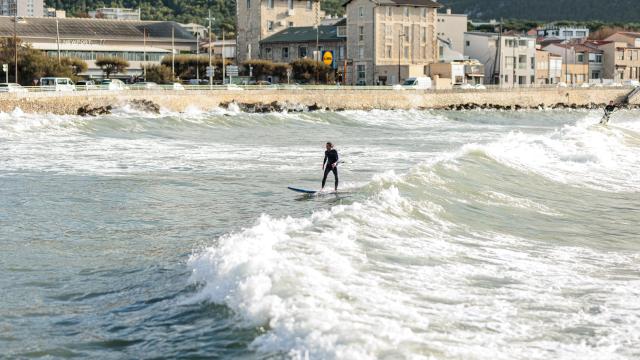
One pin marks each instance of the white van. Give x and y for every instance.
(418, 83)
(57, 84)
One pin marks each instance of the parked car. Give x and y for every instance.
(417, 83)
(465, 86)
(177, 87)
(145, 86)
(57, 84)
(12, 88)
(233, 87)
(86, 85)
(113, 85)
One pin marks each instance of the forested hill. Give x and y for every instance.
(546, 10)
(185, 11)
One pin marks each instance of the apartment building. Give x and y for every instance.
(390, 40)
(509, 59)
(22, 8)
(582, 62)
(116, 14)
(548, 68)
(563, 32)
(259, 19)
(300, 42)
(622, 56)
(452, 27)
(459, 72)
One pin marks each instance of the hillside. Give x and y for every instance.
(549, 10)
(185, 11)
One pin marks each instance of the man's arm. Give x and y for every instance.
(324, 161)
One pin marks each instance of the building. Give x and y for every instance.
(258, 19)
(581, 63)
(452, 28)
(390, 40)
(622, 56)
(116, 14)
(22, 8)
(563, 32)
(548, 68)
(459, 72)
(220, 47)
(90, 39)
(301, 42)
(196, 29)
(509, 59)
(52, 12)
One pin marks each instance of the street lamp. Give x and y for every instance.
(401, 38)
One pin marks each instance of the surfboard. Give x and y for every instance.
(302, 191)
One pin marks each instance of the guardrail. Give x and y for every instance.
(99, 89)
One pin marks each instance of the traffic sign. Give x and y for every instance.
(327, 57)
(232, 70)
(211, 71)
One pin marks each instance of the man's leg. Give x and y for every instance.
(326, 173)
(335, 174)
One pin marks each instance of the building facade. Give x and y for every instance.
(548, 68)
(459, 72)
(452, 27)
(563, 32)
(622, 57)
(306, 43)
(22, 8)
(116, 14)
(390, 40)
(509, 59)
(259, 19)
(581, 63)
(141, 43)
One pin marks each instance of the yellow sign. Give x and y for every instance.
(327, 57)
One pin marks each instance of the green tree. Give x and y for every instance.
(307, 70)
(260, 68)
(159, 74)
(112, 65)
(76, 65)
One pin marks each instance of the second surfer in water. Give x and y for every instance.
(608, 110)
(330, 164)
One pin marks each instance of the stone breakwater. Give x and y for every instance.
(98, 102)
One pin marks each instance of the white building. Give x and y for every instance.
(509, 60)
(452, 27)
(563, 32)
(22, 8)
(52, 12)
(116, 14)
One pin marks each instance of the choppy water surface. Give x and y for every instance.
(472, 235)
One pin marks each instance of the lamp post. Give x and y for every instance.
(210, 55)
(15, 44)
(58, 40)
(401, 40)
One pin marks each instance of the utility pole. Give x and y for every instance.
(224, 69)
(319, 55)
(144, 54)
(173, 51)
(401, 45)
(15, 43)
(210, 55)
(198, 57)
(58, 40)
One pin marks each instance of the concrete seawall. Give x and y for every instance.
(349, 99)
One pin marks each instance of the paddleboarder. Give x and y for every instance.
(608, 110)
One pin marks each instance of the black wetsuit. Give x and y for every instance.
(608, 110)
(330, 158)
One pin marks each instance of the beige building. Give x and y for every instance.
(458, 72)
(259, 19)
(390, 40)
(548, 68)
(622, 56)
(22, 8)
(452, 27)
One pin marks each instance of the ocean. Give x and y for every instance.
(455, 235)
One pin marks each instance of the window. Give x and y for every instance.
(407, 34)
(506, 79)
(270, 25)
(270, 4)
(341, 52)
(468, 43)
(290, 24)
(522, 43)
(248, 4)
(406, 52)
(362, 74)
(285, 53)
(302, 52)
(595, 74)
(567, 33)
(361, 11)
(268, 53)
(424, 12)
(406, 11)
(509, 62)
(360, 33)
(581, 33)
(522, 80)
(581, 58)
(290, 4)
(423, 34)
(361, 52)
(388, 31)
(533, 63)
(389, 13)
(309, 5)
(389, 53)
